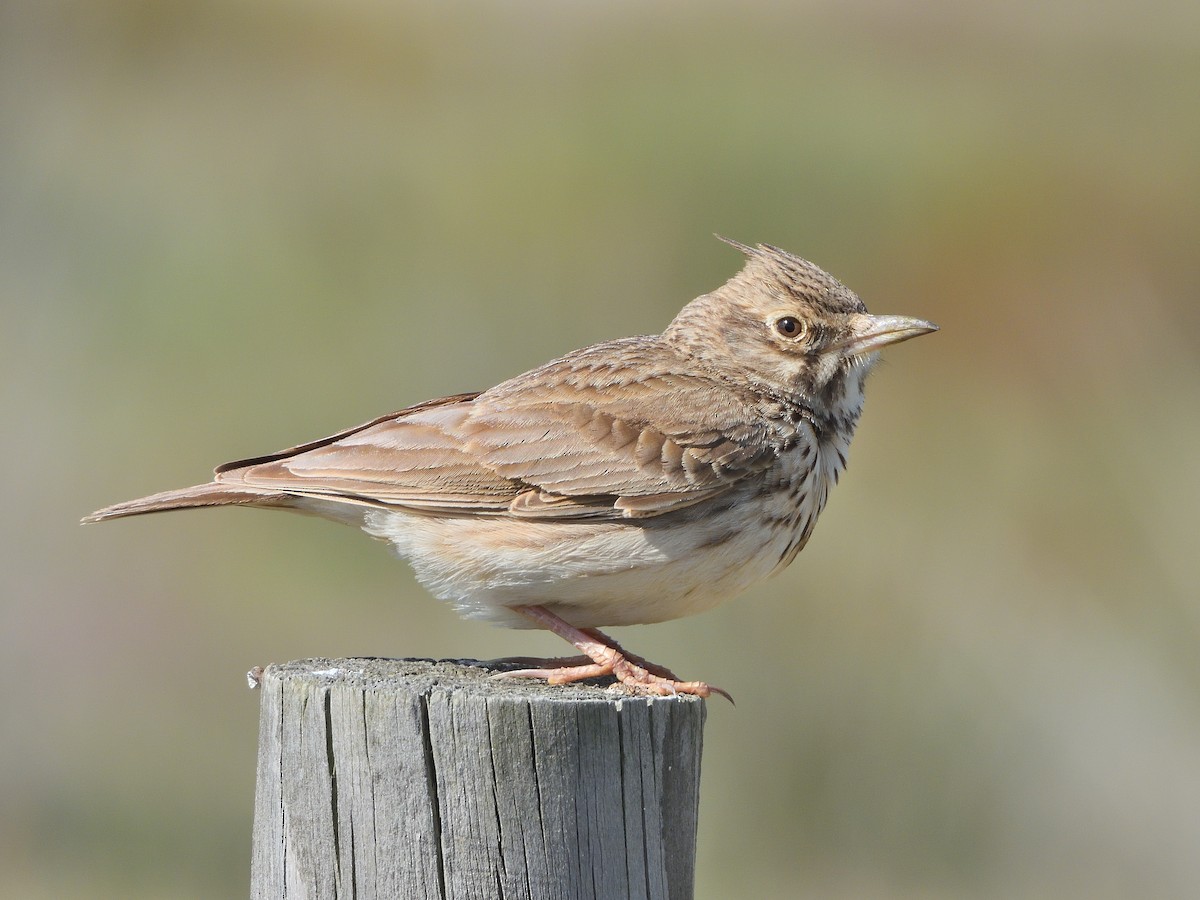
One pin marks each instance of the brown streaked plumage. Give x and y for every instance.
(633, 481)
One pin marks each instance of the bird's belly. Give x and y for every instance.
(594, 574)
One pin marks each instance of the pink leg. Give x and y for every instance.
(653, 668)
(608, 658)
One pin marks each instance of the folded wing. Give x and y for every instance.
(609, 432)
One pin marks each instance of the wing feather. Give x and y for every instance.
(612, 431)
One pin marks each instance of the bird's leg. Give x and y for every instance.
(608, 658)
(560, 662)
(653, 668)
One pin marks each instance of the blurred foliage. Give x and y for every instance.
(226, 227)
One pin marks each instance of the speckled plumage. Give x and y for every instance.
(633, 481)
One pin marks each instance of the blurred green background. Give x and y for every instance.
(226, 227)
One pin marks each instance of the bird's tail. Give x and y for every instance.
(213, 494)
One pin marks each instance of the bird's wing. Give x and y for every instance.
(617, 430)
(610, 432)
(410, 458)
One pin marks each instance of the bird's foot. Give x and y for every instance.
(607, 657)
(636, 677)
(652, 668)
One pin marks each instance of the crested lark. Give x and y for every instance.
(633, 481)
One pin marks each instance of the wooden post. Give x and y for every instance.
(410, 778)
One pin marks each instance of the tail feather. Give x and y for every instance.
(213, 494)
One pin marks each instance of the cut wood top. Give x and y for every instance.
(474, 676)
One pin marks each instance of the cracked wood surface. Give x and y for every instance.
(412, 778)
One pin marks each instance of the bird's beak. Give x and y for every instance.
(873, 332)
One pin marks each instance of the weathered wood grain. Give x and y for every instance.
(412, 778)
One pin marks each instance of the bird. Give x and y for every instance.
(633, 481)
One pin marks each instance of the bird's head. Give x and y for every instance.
(788, 325)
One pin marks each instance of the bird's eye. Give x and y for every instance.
(789, 327)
